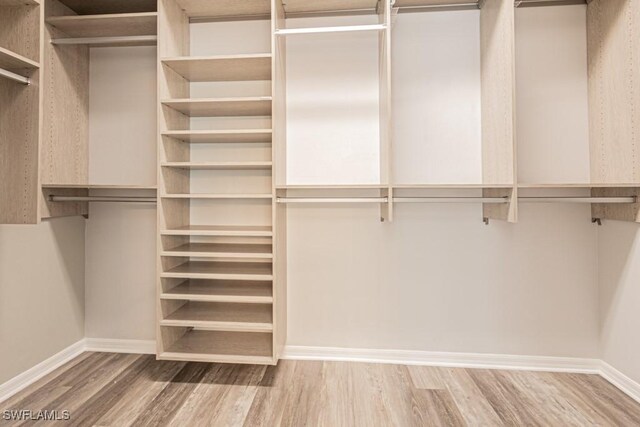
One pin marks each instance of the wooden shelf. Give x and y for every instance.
(221, 230)
(222, 136)
(109, 25)
(221, 250)
(222, 107)
(101, 186)
(11, 3)
(84, 7)
(221, 270)
(426, 4)
(12, 61)
(318, 6)
(222, 68)
(216, 316)
(217, 196)
(218, 165)
(221, 291)
(221, 347)
(332, 187)
(239, 9)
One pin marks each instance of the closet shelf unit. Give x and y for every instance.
(221, 282)
(20, 101)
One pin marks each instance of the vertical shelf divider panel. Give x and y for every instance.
(20, 57)
(497, 44)
(279, 156)
(173, 41)
(386, 144)
(613, 39)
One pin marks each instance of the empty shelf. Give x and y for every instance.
(221, 136)
(318, 6)
(109, 41)
(218, 165)
(222, 68)
(215, 316)
(449, 186)
(19, 2)
(221, 291)
(102, 186)
(12, 61)
(217, 196)
(120, 24)
(584, 185)
(84, 7)
(340, 29)
(221, 230)
(425, 4)
(221, 270)
(222, 107)
(221, 347)
(240, 9)
(221, 250)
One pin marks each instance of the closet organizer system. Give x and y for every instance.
(222, 275)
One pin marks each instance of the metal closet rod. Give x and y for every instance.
(15, 77)
(102, 199)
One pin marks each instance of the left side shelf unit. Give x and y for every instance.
(44, 97)
(20, 101)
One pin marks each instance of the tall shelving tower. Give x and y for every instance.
(221, 281)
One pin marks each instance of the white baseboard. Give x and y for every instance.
(404, 357)
(32, 375)
(120, 346)
(456, 360)
(620, 380)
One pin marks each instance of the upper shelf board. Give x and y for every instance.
(12, 61)
(222, 68)
(95, 7)
(319, 6)
(101, 186)
(221, 136)
(222, 107)
(225, 8)
(533, 3)
(19, 2)
(109, 25)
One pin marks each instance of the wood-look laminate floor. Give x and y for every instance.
(106, 389)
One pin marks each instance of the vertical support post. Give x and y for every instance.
(386, 145)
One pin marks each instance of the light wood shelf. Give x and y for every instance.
(84, 7)
(221, 347)
(221, 230)
(221, 136)
(450, 186)
(221, 270)
(101, 186)
(578, 185)
(12, 61)
(220, 250)
(216, 316)
(319, 6)
(11, 3)
(109, 25)
(244, 9)
(218, 196)
(222, 68)
(218, 165)
(425, 4)
(332, 187)
(221, 291)
(222, 107)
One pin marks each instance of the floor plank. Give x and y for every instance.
(101, 389)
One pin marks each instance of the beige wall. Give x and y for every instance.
(41, 292)
(619, 278)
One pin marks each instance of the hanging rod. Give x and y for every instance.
(332, 199)
(451, 199)
(123, 40)
(578, 199)
(104, 199)
(15, 77)
(346, 28)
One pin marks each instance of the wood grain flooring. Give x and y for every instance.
(106, 389)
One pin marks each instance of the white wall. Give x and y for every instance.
(619, 278)
(41, 292)
(121, 238)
